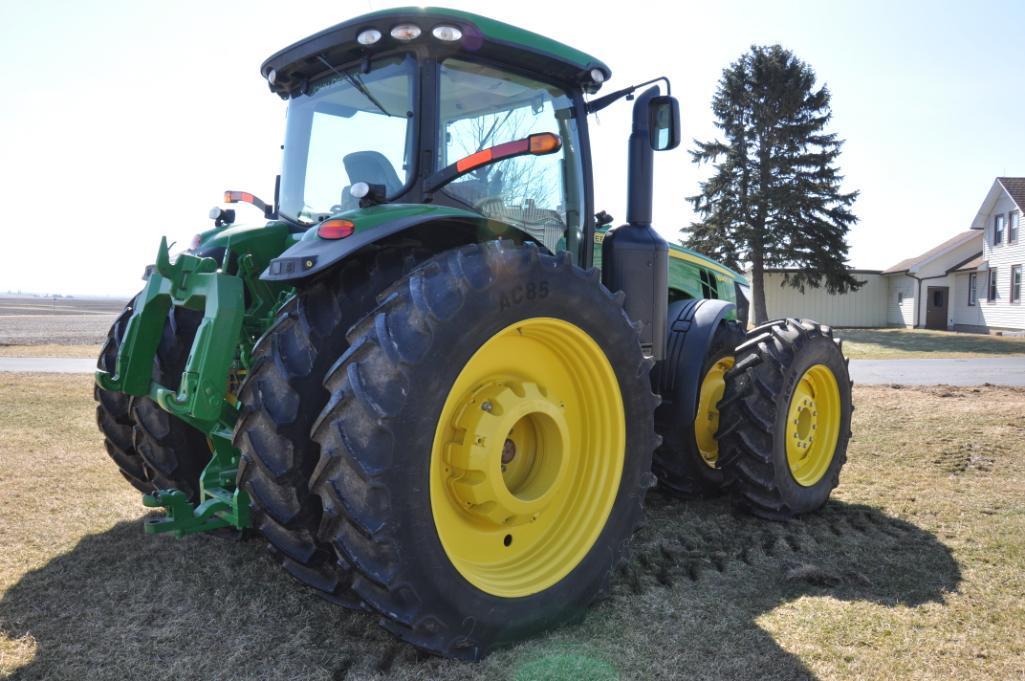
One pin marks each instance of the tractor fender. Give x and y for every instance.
(438, 228)
(690, 329)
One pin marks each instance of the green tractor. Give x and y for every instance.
(430, 376)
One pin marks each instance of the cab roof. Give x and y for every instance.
(301, 62)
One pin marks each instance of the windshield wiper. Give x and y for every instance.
(356, 83)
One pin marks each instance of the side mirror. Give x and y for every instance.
(664, 123)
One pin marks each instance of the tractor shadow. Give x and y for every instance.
(123, 605)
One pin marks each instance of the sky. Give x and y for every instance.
(126, 121)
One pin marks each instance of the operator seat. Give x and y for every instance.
(372, 167)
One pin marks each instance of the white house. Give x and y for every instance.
(997, 275)
(921, 289)
(970, 282)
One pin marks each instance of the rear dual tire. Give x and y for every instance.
(422, 511)
(283, 394)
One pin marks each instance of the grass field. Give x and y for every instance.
(923, 344)
(48, 323)
(916, 570)
(85, 351)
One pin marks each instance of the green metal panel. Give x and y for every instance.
(686, 269)
(685, 278)
(366, 219)
(262, 241)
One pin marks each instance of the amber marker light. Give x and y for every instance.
(238, 197)
(538, 144)
(544, 143)
(335, 229)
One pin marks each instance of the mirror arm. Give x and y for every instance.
(596, 105)
(269, 212)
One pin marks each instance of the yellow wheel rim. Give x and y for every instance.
(706, 421)
(527, 457)
(813, 425)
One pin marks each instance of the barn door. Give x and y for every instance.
(936, 307)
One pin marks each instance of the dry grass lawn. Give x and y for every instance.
(89, 351)
(916, 570)
(922, 343)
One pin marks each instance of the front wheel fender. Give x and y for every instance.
(447, 228)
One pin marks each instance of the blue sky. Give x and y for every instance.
(124, 121)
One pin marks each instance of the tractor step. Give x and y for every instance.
(222, 508)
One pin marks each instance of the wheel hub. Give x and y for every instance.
(813, 425)
(804, 425)
(527, 457)
(508, 459)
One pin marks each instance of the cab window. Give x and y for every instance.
(480, 107)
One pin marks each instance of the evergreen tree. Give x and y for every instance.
(775, 199)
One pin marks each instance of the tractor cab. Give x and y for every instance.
(427, 106)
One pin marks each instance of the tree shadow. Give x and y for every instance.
(917, 340)
(123, 605)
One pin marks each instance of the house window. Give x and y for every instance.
(973, 284)
(998, 229)
(1013, 220)
(900, 297)
(1016, 284)
(992, 285)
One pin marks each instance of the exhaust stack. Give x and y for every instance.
(635, 258)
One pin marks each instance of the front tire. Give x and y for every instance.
(175, 452)
(486, 448)
(113, 413)
(686, 463)
(152, 449)
(786, 419)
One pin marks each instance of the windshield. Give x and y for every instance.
(350, 127)
(481, 107)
